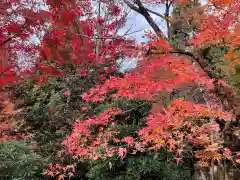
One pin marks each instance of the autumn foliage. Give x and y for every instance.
(79, 44)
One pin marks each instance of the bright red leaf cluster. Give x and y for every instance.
(161, 73)
(174, 128)
(83, 143)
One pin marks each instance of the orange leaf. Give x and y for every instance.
(217, 156)
(9, 109)
(221, 2)
(61, 177)
(230, 56)
(182, 2)
(237, 29)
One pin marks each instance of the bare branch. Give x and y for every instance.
(160, 15)
(143, 11)
(132, 6)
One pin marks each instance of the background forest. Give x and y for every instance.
(72, 109)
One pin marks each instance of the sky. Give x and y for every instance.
(137, 22)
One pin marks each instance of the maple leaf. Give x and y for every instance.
(70, 175)
(122, 152)
(178, 160)
(67, 93)
(48, 172)
(61, 177)
(217, 156)
(227, 152)
(172, 144)
(230, 56)
(129, 140)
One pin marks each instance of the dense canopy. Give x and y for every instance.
(71, 110)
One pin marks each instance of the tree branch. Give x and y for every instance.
(132, 6)
(143, 11)
(149, 10)
(160, 15)
(197, 58)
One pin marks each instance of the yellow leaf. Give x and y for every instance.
(230, 56)
(217, 156)
(156, 130)
(161, 142)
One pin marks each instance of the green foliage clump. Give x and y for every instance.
(50, 113)
(19, 161)
(147, 166)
